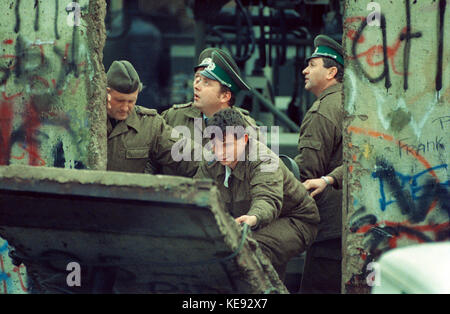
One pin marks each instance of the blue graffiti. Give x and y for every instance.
(4, 276)
(4, 247)
(405, 188)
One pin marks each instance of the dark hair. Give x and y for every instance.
(328, 63)
(224, 89)
(227, 118)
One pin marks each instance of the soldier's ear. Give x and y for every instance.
(226, 96)
(332, 72)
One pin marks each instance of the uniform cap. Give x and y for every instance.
(123, 78)
(222, 71)
(328, 48)
(204, 59)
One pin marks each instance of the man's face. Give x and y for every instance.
(207, 95)
(229, 150)
(316, 76)
(119, 104)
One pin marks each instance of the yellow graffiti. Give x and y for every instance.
(367, 151)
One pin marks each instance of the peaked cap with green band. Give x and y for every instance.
(220, 70)
(204, 59)
(329, 48)
(123, 78)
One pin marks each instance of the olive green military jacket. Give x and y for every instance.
(185, 115)
(142, 143)
(338, 175)
(265, 188)
(320, 154)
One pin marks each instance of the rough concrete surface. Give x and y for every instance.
(52, 93)
(397, 95)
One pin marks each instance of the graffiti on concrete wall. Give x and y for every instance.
(41, 83)
(388, 53)
(410, 208)
(44, 72)
(396, 143)
(12, 278)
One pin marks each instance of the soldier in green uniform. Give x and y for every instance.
(320, 156)
(260, 191)
(193, 114)
(138, 138)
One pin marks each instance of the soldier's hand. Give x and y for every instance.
(249, 220)
(318, 185)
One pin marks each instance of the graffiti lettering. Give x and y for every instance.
(425, 147)
(16, 10)
(389, 52)
(385, 74)
(441, 16)
(407, 50)
(420, 198)
(442, 121)
(29, 67)
(397, 184)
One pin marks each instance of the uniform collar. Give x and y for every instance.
(239, 170)
(332, 89)
(122, 127)
(193, 112)
(133, 120)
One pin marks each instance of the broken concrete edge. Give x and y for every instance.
(257, 269)
(109, 184)
(96, 86)
(260, 273)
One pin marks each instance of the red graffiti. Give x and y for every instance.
(6, 117)
(17, 270)
(32, 124)
(375, 51)
(19, 157)
(392, 242)
(351, 33)
(43, 63)
(403, 229)
(387, 137)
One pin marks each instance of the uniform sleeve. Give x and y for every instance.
(175, 153)
(337, 174)
(266, 191)
(315, 147)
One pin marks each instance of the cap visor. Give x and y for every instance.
(210, 75)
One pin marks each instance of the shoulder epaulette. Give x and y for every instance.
(243, 111)
(179, 106)
(146, 111)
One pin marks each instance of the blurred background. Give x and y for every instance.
(268, 39)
